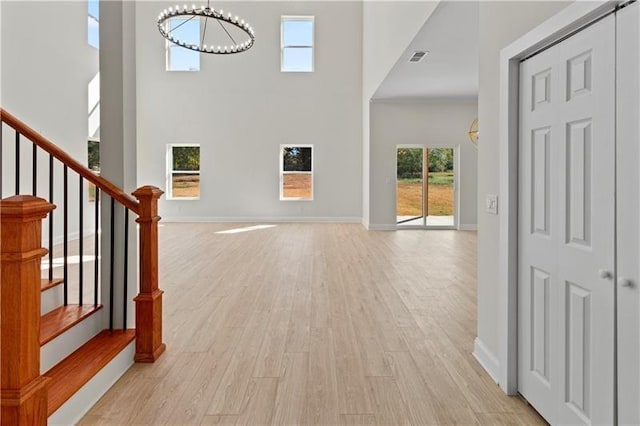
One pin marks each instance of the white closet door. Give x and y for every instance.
(628, 214)
(567, 228)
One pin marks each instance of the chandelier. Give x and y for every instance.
(206, 14)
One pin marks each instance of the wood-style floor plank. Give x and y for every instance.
(290, 398)
(321, 404)
(388, 405)
(357, 419)
(313, 324)
(219, 420)
(261, 397)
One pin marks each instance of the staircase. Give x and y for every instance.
(67, 338)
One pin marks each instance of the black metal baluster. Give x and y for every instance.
(51, 218)
(81, 242)
(17, 162)
(111, 264)
(65, 236)
(96, 246)
(126, 267)
(34, 176)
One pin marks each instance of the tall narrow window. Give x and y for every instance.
(296, 41)
(183, 163)
(93, 23)
(93, 162)
(179, 58)
(296, 172)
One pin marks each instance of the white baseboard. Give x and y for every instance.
(294, 219)
(486, 359)
(382, 227)
(77, 406)
(468, 227)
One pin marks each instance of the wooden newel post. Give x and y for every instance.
(149, 344)
(23, 389)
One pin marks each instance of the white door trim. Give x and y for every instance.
(559, 26)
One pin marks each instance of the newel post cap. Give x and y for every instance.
(25, 206)
(148, 191)
(148, 198)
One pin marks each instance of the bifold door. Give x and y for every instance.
(628, 213)
(566, 288)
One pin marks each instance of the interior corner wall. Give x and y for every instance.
(241, 108)
(441, 123)
(501, 22)
(47, 65)
(388, 28)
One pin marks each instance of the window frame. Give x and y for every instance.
(169, 46)
(171, 172)
(282, 172)
(302, 18)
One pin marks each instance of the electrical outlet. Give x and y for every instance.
(491, 204)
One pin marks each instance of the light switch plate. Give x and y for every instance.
(491, 204)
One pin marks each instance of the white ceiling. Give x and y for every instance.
(450, 70)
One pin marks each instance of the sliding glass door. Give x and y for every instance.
(410, 186)
(426, 187)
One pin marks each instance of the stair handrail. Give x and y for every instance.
(112, 190)
(144, 204)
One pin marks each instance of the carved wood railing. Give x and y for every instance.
(21, 228)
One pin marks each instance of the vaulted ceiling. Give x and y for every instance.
(450, 70)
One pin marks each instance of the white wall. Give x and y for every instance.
(388, 28)
(240, 122)
(46, 68)
(443, 123)
(500, 24)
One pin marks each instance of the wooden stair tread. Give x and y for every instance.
(63, 318)
(46, 284)
(73, 372)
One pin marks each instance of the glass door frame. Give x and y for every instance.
(425, 184)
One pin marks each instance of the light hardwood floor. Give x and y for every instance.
(314, 324)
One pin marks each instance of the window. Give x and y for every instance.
(180, 58)
(93, 162)
(296, 43)
(296, 172)
(93, 23)
(183, 164)
(93, 110)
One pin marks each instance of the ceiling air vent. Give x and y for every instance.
(417, 56)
